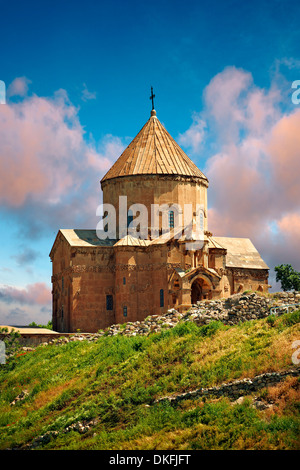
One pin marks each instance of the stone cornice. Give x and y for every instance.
(113, 268)
(154, 177)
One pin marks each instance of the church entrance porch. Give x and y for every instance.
(200, 290)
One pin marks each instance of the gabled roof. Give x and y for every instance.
(132, 241)
(153, 152)
(241, 253)
(212, 243)
(201, 269)
(83, 238)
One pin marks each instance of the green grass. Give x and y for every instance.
(116, 379)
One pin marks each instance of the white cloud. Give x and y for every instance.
(87, 95)
(193, 137)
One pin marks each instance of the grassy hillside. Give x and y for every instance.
(112, 383)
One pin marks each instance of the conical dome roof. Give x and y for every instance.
(153, 152)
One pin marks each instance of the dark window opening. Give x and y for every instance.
(124, 280)
(109, 302)
(161, 296)
(171, 219)
(129, 218)
(125, 311)
(105, 228)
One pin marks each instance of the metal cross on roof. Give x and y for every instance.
(152, 97)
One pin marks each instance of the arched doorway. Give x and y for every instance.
(200, 290)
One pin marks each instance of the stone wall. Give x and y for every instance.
(238, 308)
(156, 189)
(236, 388)
(235, 309)
(244, 307)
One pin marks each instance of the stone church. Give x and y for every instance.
(98, 282)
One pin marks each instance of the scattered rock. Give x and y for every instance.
(20, 397)
(260, 405)
(237, 388)
(237, 308)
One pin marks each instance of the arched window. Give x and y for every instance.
(161, 297)
(124, 280)
(105, 228)
(125, 311)
(171, 219)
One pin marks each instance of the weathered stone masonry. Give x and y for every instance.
(97, 283)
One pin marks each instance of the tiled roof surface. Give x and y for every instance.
(153, 151)
(84, 237)
(132, 241)
(241, 253)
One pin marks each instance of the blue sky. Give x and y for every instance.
(78, 78)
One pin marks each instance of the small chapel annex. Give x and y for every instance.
(97, 283)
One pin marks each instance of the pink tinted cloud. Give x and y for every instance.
(224, 104)
(18, 87)
(261, 110)
(238, 189)
(102, 159)
(35, 149)
(254, 176)
(233, 103)
(289, 226)
(33, 294)
(283, 145)
(43, 153)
